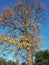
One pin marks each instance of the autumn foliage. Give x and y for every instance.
(25, 17)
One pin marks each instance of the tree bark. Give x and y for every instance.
(29, 57)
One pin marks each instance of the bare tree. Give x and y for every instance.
(23, 18)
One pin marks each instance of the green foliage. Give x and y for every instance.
(3, 62)
(42, 58)
(24, 63)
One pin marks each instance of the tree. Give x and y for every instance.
(3, 62)
(24, 17)
(24, 63)
(42, 58)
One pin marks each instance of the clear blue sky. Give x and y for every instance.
(45, 24)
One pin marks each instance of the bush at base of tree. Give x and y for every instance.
(3, 62)
(42, 58)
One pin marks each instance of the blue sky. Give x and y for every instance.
(45, 24)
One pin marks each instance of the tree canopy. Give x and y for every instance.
(23, 23)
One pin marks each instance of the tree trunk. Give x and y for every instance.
(29, 57)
